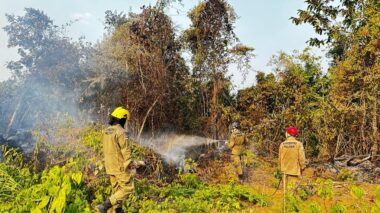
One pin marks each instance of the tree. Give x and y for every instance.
(333, 21)
(214, 46)
(291, 96)
(354, 47)
(154, 78)
(48, 73)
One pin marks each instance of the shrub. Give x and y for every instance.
(345, 175)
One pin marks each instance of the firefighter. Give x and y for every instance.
(117, 156)
(292, 158)
(236, 144)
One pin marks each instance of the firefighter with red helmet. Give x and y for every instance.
(291, 157)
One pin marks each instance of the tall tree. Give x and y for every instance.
(291, 95)
(48, 73)
(214, 46)
(354, 47)
(154, 83)
(334, 21)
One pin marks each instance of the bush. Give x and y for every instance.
(56, 190)
(345, 175)
(189, 194)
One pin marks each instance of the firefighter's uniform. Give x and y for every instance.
(236, 144)
(117, 156)
(292, 160)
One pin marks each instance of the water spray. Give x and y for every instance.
(174, 148)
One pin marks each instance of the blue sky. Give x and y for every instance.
(262, 24)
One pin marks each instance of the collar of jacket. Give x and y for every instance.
(117, 125)
(291, 138)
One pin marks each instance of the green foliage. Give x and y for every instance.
(353, 45)
(325, 188)
(315, 208)
(292, 95)
(56, 190)
(357, 192)
(376, 207)
(92, 136)
(141, 62)
(305, 191)
(293, 203)
(345, 175)
(189, 165)
(214, 46)
(338, 208)
(190, 194)
(377, 192)
(48, 70)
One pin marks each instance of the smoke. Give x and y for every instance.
(46, 79)
(173, 147)
(37, 104)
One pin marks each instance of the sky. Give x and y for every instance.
(262, 24)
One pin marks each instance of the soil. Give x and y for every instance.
(262, 180)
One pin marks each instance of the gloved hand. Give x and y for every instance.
(138, 163)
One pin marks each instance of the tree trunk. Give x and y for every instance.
(375, 134)
(13, 117)
(146, 116)
(214, 105)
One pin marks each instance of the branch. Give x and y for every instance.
(146, 116)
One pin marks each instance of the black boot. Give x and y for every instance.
(103, 207)
(119, 210)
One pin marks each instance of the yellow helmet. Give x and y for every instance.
(120, 113)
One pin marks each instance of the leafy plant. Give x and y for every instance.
(338, 208)
(345, 175)
(358, 193)
(315, 208)
(376, 207)
(325, 190)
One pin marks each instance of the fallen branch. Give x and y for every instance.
(351, 162)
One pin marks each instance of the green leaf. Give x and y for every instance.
(357, 192)
(377, 193)
(44, 202)
(36, 210)
(59, 203)
(77, 177)
(376, 207)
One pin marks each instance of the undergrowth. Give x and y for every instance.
(189, 194)
(79, 183)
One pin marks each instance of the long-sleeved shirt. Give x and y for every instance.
(117, 152)
(236, 142)
(292, 157)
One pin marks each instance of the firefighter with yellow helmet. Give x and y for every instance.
(117, 157)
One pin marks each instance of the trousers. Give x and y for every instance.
(238, 164)
(122, 186)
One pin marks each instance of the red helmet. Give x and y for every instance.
(292, 131)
